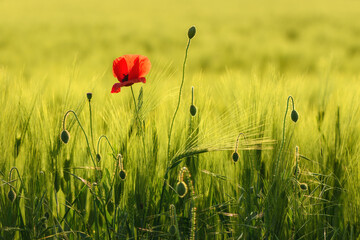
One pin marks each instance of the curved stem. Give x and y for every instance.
(283, 135)
(17, 171)
(87, 140)
(178, 105)
(98, 145)
(237, 140)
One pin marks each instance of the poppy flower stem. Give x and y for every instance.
(283, 135)
(179, 100)
(17, 171)
(86, 138)
(98, 145)
(132, 92)
(91, 127)
(171, 127)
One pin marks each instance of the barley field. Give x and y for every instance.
(247, 126)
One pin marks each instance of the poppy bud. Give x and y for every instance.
(122, 174)
(294, 116)
(110, 206)
(191, 32)
(89, 96)
(235, 156)
(192, 110)
(47, 215)
(98, 157)
(181, 189)
(65, 136)
(303, 186)
(172, 230)
(11, 195)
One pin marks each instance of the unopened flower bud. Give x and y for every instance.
(191, 32)
(122, 174)
(303, 186)
(172, 230)
(89, 96)
(98, 157)
(235, 156)
(181, 189)
(193, 110)
(294, 116)
(110, 206)
(11, 195)
(65, 136)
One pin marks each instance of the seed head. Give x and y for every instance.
(172, 230)
(98, 157)
(65, 136)
(89, 96)
(294, 116)
(235, 157)
(122, 174)
(11, 195)
(193, 110)
(191, 32)
(181, 189)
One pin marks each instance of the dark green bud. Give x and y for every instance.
(11, 195)
(191, 32)
(303, 186)
(294, 116)
(192, 110)
(47, 215)
(65, 136)
(181, 189)
(89, 96)
(98, 157)
(235, 156)
(110, 206)
(122, 174)
(172, 230)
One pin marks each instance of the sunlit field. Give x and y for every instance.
(247, 128)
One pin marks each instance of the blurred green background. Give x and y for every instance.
(41, 39)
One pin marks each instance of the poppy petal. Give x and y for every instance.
(134, 70)
(116, 88)
(120, 68)
(144, 66)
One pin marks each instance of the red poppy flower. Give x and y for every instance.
(130, 69)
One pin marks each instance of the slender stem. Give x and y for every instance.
(178, 105)
(192, 95)
(132, 92)
(283, 135)
(87, 140)
(17, 171)
(295, 187)
(237, 140)
(98, 144)
(91, 127)
(170, 131)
